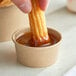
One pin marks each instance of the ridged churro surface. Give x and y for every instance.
(38, 25)
(5, 3)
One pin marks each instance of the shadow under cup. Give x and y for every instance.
(37, 56)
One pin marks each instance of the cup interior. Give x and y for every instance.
(19, 33)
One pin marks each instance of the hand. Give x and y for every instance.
(25, 5)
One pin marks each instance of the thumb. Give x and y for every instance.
(43, 4)
(24, 5)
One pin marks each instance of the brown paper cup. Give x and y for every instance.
(36, 56)
(71, 5)
(11, 19)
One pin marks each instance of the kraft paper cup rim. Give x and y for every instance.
(20, 30)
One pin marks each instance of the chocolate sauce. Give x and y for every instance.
(26, 39)
(0, 0)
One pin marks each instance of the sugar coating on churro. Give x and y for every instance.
(38, 24)
(5, 3)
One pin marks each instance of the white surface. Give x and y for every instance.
(71, 72)
(65, 22)
(55, 5)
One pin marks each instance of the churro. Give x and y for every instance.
(38, 25)
(5, 3)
